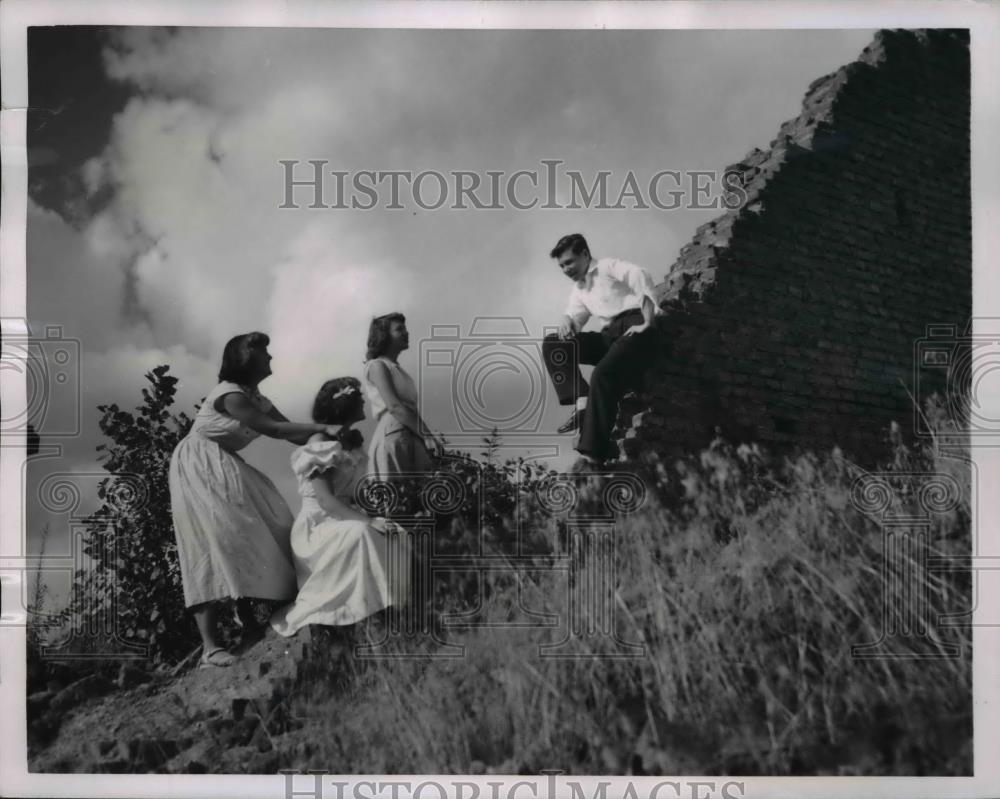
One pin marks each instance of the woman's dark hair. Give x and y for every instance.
(329, 408)
(236, 357)
(378, 334)
(574, 242)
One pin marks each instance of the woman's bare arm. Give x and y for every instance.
(278, 416)
(241, 408)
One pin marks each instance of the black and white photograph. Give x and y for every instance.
(500, 399)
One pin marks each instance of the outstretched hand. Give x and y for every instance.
(637, 329)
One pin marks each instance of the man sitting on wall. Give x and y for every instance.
(620, 296)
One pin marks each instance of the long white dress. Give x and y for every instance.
(346, 569)
(231, 524)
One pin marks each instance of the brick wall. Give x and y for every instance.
(791, 319)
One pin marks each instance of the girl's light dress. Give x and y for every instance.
(346, 569)
(394, 449)
(231, 524)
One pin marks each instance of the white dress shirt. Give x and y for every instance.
(609, 287)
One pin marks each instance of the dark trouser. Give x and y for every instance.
(619, 362)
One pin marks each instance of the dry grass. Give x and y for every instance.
(746, 582)
(747, 585)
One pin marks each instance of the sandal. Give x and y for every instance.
(217, 657)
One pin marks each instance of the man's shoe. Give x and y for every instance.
(573, 423)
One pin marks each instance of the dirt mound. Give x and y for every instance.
(205, 719)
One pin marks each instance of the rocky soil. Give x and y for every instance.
(229, 720)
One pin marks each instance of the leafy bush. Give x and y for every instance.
(136, 595)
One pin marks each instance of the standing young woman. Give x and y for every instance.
(232, 525)
(398, 445)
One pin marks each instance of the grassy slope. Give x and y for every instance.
(747, 589)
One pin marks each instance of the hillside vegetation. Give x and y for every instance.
(740, 587)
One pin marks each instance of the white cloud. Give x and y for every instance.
(325, 293)
(193, 248)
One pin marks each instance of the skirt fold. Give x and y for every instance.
(232, 526)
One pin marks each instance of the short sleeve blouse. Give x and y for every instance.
(342, 468)
(228, 432)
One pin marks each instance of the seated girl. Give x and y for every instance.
(347, 565)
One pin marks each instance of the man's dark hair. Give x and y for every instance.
(574, 241)
(236, 357)
(378, 334)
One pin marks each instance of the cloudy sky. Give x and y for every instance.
(154, 232)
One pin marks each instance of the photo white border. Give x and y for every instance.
(983, 19)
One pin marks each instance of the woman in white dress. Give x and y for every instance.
(348, 565)
(398, 445)
(231, 524)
